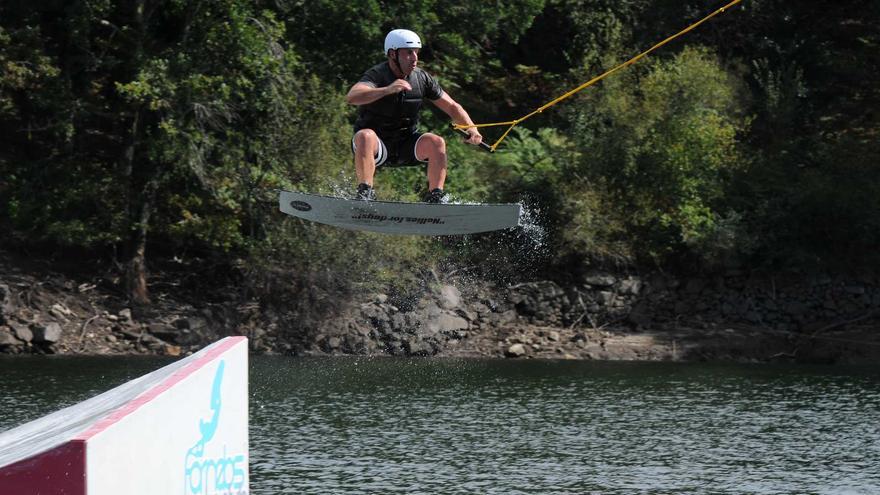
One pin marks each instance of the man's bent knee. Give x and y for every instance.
(366, 139)
(431, 145)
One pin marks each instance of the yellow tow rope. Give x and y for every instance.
(513, 123)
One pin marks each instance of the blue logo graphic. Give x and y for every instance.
(211, 474)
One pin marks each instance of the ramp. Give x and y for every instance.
(182, 429)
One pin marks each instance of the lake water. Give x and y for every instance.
(360, 425)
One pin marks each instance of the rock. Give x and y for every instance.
(600, 281)
(418, 347)
(447, 323)
(152, 342)
(187, 337)
(191, 323)
(508, 316)
(164, 332)
(450, 297)
(6, 337)
(431, 310)
(171, 350)
(129, 334)
(515, 351)
(467, 315)
(394, 348)
(553, 336)
(22, 332)
(398, 322)
(47, 334)
(7, 305)
(61, 311)
(125, 315)
(631, 286)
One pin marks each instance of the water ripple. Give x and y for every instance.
(435, 426)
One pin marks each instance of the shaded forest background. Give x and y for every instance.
(153, 132)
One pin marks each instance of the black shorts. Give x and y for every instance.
(396, 151)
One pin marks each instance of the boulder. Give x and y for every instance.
(61, 312)
(600, 280)
(48, 333)
(172, 350)
(515, 351)
(6, 337)
(334, 343)
(22, 332)
(450, 297)
(418, 347)
(447, 323)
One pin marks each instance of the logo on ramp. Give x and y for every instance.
(210, 470)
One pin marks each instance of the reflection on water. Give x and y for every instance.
(349, 425)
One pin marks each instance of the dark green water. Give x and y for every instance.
(470, 426)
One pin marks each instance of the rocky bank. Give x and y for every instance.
(605, 316)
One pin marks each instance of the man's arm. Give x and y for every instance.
(459, 116)
(363, 93)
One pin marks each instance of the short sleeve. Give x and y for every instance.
(433, 91)
(371, 77)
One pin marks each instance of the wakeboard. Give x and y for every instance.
(394, 217)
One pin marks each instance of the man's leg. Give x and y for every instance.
(366, 146)
(432, 148)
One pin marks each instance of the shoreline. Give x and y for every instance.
(608, 317)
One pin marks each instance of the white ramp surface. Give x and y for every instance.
(182, 429)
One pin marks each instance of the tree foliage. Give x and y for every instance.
(173, 124)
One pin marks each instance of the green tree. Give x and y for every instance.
(663, 148)
(178, 119)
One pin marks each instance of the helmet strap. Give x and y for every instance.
(396, 60)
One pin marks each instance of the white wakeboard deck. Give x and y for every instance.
(392, 217)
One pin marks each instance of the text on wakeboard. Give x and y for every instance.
(385, 218)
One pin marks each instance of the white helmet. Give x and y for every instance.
(402, 38)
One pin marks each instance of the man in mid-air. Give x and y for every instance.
(389, 96)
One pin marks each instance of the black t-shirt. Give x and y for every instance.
(395, 115)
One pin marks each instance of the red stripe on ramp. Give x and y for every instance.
(133, 405)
